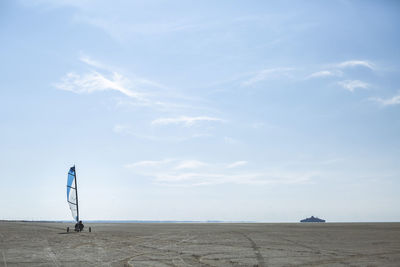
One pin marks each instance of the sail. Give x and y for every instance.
(71, 193)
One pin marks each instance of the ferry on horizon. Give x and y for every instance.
(312, 219)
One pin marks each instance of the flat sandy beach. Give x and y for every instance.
(189, 244)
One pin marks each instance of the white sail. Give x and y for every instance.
(72, 194)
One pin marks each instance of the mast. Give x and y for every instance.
(76, 194)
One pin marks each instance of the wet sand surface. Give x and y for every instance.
(224, 244)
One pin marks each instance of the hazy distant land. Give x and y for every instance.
(200, 244)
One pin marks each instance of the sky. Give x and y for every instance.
(266, 111)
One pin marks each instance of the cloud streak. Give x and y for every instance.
(141, 92)
(101, 77)
(352, 85)
(325, 73)
(94, 81)
(266, 74)
(356, 63)
(90, 62)
(190, 164)
(185, 120)
(338, 68)
(237, 164)
(189, 173)
(190, 179)
(395, 100)
(137, 91)
(148, 163)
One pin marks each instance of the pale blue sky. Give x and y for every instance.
(201, 110)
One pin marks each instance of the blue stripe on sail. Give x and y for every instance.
(71, 176)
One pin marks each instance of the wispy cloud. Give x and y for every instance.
(395, 100)
(120, 128)
(351, 85)
(337, 69)
(237, 164)
(267, 74)
(230, 140)
(185, 120)
(136, 91)
(324, 73)
(148, 163)
(191, 173)
(102, 77)
(139, 81)
(89, 61)
(190, 164)
(214, 178)
(355, 63)
(93, 82)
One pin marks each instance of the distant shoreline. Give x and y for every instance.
(126, 221)
(188, 222)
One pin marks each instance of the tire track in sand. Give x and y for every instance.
(256, 249)
(169, 248)
(4, 258)
(2, 250)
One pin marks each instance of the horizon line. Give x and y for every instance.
(185, 221)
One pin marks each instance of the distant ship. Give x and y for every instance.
(312, 219)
